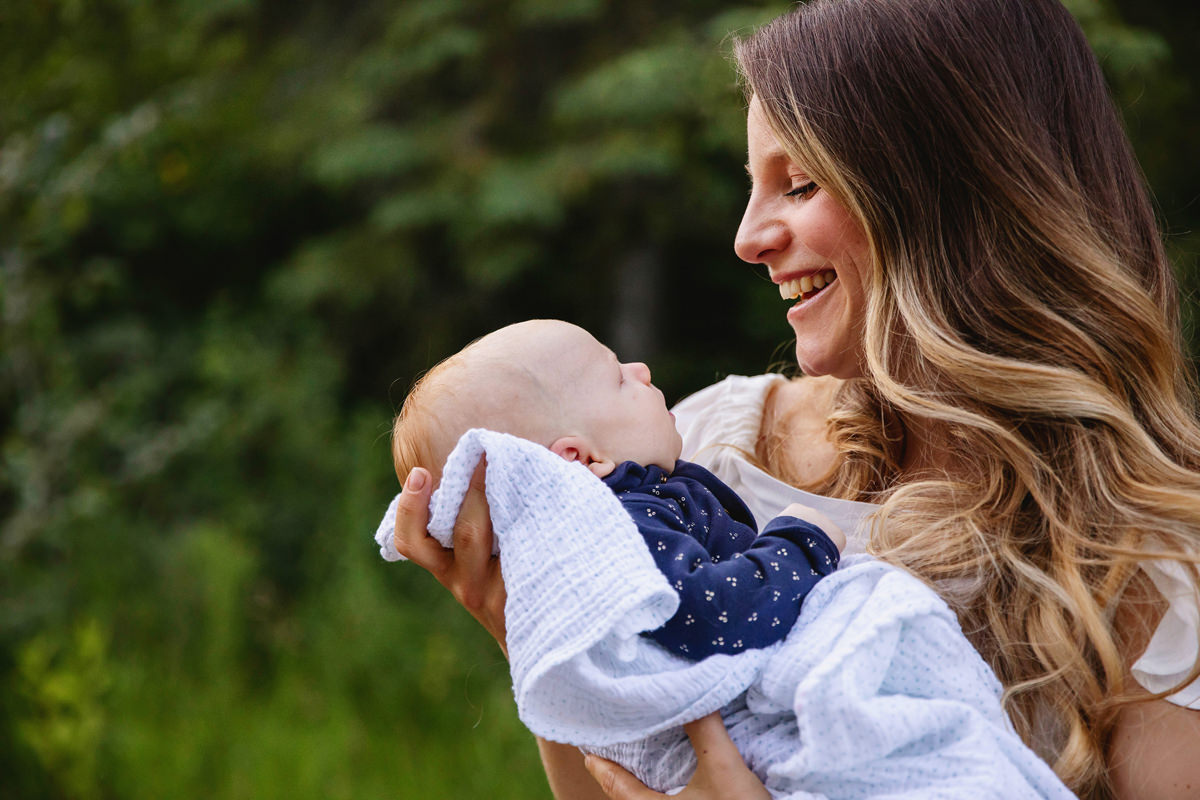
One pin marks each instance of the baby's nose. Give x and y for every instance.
(640, 371)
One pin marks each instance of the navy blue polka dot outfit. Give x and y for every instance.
(737, 589)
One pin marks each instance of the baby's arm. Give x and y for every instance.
(806, 514)
(732, 601)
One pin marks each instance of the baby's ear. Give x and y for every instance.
(572, 448)
(577, 448)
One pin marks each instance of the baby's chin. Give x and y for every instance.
(668, 464)
(677, 451)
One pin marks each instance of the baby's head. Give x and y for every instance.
(543, 380)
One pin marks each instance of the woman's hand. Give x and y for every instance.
(469, 571)
(720, 774)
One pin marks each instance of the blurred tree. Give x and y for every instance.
(1147, 54)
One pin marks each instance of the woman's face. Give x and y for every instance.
(815, 252)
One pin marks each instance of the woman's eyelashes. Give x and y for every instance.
(803, 190)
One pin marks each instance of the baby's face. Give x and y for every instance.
(611, 404)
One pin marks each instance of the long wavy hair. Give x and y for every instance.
(1023, 313)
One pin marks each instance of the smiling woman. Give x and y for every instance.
(807, 240)
(1030, 441)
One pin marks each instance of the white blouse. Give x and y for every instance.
(721, 424)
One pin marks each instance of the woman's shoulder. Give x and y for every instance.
(794, 438)
(804, 400)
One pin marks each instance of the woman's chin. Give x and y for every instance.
(823, 363)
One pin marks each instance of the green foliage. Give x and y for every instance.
(63, 684)
(231, 233)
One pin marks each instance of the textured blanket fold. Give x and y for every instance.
(874, 693)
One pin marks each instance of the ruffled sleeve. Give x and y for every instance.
(724, 416)
(1175, 646)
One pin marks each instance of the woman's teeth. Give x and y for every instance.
(807, 286)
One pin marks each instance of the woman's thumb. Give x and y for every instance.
(616, 782)
(711, 741)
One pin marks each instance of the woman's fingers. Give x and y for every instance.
(478, 584)
(412, 537)
(616, 782)
(473, 544)
(469, 571)
(720, 771)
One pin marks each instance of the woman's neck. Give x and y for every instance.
(924, 457)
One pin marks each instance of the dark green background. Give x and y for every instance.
(232, 232)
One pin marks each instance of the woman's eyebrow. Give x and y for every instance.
(771, 159)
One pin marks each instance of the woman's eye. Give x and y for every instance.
(802, 191)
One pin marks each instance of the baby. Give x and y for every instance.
(552, 383)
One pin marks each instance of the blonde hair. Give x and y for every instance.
(418, 431)
(1021, 310)
(494, 382)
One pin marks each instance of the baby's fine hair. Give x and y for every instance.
(415, 428)
(473, 388)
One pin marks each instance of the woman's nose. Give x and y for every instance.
(759, 235)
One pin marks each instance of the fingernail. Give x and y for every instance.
(416, 480)
(588, 761)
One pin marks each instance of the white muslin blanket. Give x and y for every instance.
(874, 693)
